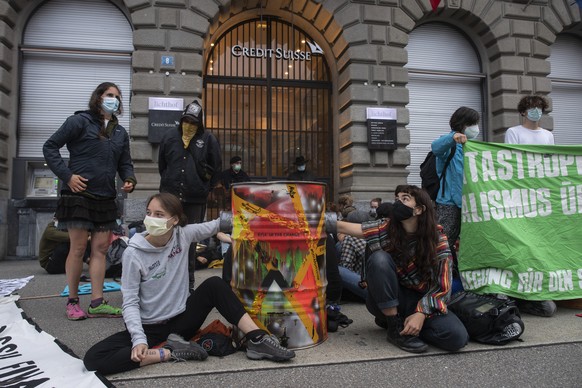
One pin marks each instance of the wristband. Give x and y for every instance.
(161, 354)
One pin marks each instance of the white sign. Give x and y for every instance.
(32, 358)
(163, 103)
(381, 113)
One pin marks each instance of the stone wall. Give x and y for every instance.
(365, 47)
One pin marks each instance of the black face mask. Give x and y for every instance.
(401, 212)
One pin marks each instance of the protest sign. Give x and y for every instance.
(521, 219)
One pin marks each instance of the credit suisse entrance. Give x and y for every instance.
(267, 100)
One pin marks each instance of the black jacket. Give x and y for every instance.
(229, 177)
(93, 157)
(180, 173)
(300, 176)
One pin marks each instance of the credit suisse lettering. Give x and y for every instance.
(279, 53)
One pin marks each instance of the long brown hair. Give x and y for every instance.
(426, 235)
(95, 103)
(171, 204)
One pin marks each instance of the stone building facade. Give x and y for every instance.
(365, 47)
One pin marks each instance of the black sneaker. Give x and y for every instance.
(182, 350)
(541, 308)
(268, 347)
(381, 322)
(407, 343)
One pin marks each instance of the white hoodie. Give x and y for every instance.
(155, 280)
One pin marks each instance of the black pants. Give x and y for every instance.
(334, 280)
(195, 214)
(384, 291)
(113, 354)
(57, 260)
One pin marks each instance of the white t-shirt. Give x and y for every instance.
(523, 135)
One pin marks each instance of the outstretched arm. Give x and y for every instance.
(350, 228)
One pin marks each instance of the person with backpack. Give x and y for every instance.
(464, 126)
(159, 307)
(409, 276)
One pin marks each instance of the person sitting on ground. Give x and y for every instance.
(352, 256)
(374, 203)
(54, 247)
(157, 304)
(345, 205)
(409, 275)
(208, 254)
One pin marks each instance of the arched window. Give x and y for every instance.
(267, 96)
(68, 48)
(566, 77)
(444, 74)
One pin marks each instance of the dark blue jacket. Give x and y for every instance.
(95, 158)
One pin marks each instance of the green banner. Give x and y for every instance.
(521, 229)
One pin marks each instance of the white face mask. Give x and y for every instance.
(301, 168)
(472, 132)
(156, 226)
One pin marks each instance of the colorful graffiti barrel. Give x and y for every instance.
(278, 263)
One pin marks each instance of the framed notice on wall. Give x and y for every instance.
(381, 124)
(164, 115)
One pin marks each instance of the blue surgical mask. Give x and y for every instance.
(472, 132)
(110, 104)
(301, 168)
(534, 114)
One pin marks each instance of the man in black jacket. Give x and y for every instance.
(235, 174)
(301, 173)
(190, 162)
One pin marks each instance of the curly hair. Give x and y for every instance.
(426, 235)
(534, 101)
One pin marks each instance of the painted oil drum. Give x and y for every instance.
(278, 263)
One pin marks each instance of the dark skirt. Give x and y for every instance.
(75, 211)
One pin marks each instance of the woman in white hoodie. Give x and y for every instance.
(157, 303)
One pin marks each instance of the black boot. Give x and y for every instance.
(408, 343)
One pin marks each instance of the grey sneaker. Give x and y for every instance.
(268, 347)
(182, 350)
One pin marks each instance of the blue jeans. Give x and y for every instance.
(351, 282)
(384, 291)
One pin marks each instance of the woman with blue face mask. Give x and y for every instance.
(464, 126)
(531, 109)
(99, 150)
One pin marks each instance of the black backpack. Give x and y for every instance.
(113, 265)
(431, 181)
(488, 319)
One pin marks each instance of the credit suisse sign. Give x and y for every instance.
(278, 53)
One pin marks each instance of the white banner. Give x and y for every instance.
(29, 358)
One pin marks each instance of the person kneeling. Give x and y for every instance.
(409, 275)
(157, 303)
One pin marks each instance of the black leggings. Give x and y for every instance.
(113, 354)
